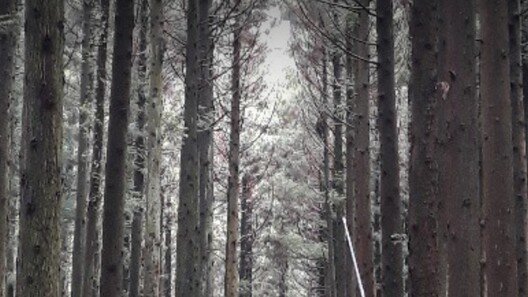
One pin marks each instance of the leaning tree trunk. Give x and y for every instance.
(391, 221)
(519, 144)
(92, 217)
(423, 176)
(153, 192)
(7, 59)
(497, 174)
(87, 73)
(187, 246)
(458, 152)
(115, 187)
(231, 262)
(363, 236)
(40, 201)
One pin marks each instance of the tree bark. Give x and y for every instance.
(423, 178)
(135, 254)
(497, 181)
(86, 94)
(519, 144)
(187, 280)
(246, 240)
(115, 186)
(7, 59)
(363, 236)
(458, 153)
(391, 221)
(231, 262)
(91, 241)
(153, 191)
(39, 248)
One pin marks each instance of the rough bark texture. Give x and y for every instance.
(423, 177)
(187, 280)
(246, 239)
(458, 151)
(40, 201)
(87, 73)
(391, 221)
(363, 238)
(94, 197)
(519, 144)
(115, 186)
(167, 271)
(497, 174)
(7, 59)
(231, 262)
(153, 191)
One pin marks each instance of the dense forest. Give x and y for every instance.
(282, 148)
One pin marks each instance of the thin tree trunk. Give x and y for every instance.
(187, 280)
(167, 282)
(153, 192)
(363, 236)
(115, 186)
(391, 220)
(423, 177)
(500, 269)
(519, 144)
(7, 59)
(92, 217)
(231, 262)
(87, 73)
(458, 153)
(135, 254)
(39, 248)
(246, 239)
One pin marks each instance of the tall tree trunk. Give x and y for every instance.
(205, 136)
(423, 178)
(497, 184)
(7, 59)
(340, 250)
(87, 73)
(363, 236)
(167, 271)
(231, 262)
(391, 221)
(92, 217)
(115, 186)
(153, 192)
(246, 239)
(187, 280)
(458, 151)
(139, 157)
(519, 144)
(39, 249)
(350, 197)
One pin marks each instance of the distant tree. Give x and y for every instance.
(39, 246)
(498, 204)
(90, 279)
(115, 186)
(86, 95)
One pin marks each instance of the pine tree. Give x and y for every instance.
(39, 246)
